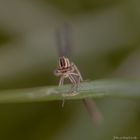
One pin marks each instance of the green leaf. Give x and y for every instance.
(93, 89)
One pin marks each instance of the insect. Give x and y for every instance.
(67, 69)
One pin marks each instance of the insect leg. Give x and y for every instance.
(77, 71)
(61, 81)
(75, 83)
(76, 74)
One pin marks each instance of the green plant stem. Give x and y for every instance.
(93, 89)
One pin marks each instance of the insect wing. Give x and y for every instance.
(63, 40)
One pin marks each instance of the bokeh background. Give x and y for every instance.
(105, 44)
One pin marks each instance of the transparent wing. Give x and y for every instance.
(63, 38)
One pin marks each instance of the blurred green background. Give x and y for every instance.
(105, 44)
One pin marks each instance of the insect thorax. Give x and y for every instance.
(64, 63)
(64, 66)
